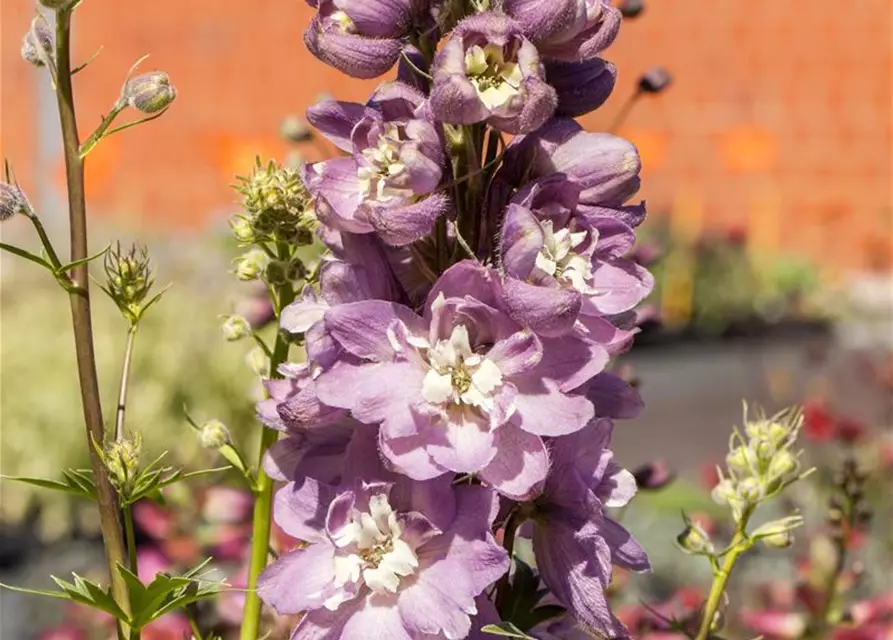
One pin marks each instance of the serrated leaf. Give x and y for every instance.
(36, 592)
(56, 485)
(91, 594)
(506, 630)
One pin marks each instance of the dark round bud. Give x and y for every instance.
(631, 8)
(864, 515)
(12, 201)
(277, 273)
(150, 92)
(655, 80)
(296, 270)
(653, 476)
(31, 47)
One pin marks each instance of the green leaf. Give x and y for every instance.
(506, 630)
(91, 594)
(65, 268)
(36, 592)
(27, 255)
(70, 486)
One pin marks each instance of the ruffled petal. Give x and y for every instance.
(519, 469)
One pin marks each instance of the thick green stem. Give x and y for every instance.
(131, 541)
(740, 543)
(263, 505)
(81, 316)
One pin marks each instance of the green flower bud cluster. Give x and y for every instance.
(235, 328)
(694, 540)
(760, 462)
(276, 206)
(122, 458)
(213, 434)
(129, 278)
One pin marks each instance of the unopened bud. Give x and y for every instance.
(277, 273)
(780, 540)
(724, 492)
(122, 459)
(783, 465)
(750, 490)
(242, 229)
(631, 8)
(695, 540)
(251, 265)
(655, 80)
(12, 201)
(36, 50)
(742, 460)
(213, 434)
(235, 328)
(653, 476)
(149, 92)
(295, 129)
(258, 361)
(778, 534)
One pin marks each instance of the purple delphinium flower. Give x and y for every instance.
(570, 30)
(462, 388)
(559, 260)
(387, 559)
(361, 38)
(488, 71)
(574, 540)
(604, 166)
(389, 182)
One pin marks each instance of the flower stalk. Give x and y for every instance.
(263, 506)
(81, 314)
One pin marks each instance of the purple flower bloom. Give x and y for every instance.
(488, 71)
(561, 261)
(574, 540)
(570, 30)
(604, 166)
(388, 184)
(387, 559)
(361, 38)
(462, 388)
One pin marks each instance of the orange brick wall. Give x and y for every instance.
(779, 116)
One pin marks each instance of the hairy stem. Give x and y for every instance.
(263, 505)
(740, 543)
(81, 316)
(125, 378)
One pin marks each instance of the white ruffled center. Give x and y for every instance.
(558, 259)
(382, 166)
(342, 22)
(371, 549)
(495, 79)
(458, 375)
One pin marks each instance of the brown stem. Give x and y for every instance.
(80, 314)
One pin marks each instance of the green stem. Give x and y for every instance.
(740, 543)
(263, 505)
(624, 112)
(109, 522)
(125, 378)
(45, 241)
(131, 541)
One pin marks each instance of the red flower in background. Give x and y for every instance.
(818, 421)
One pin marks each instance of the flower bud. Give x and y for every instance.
(129, 277)
(695, 540)
(31, 46)
(277, 273)
(275, 200)
(742, 460)
(655, 80)
(242, 230)
(235, 328)
(251, 265)
(631, 8)
(653, 476)
(778, 534)
(295, 129)
(724, 492)
(258, 361)
(213, 434)
(783, 465)
(122, 459)
(12, 201)
(751, 490)
(149, 92)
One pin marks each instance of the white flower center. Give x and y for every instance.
(371, 549)
(343, 22)
(458, 375)
(382, 165)
(558, 259)
(495, 80)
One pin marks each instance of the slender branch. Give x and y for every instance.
(45, 240)
(125, 377)
(624, 112)
(263, 505)
(131, 541)
(81, 316)
(740, 543)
